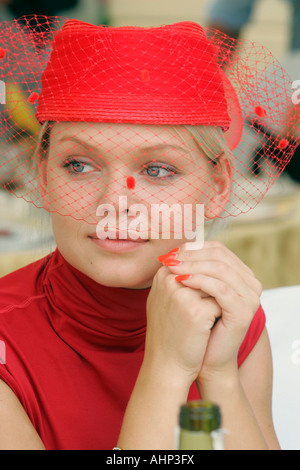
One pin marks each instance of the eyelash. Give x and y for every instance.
(162, 166)
(69, 165)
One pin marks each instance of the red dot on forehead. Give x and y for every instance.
(130, 182)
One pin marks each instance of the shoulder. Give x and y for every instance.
(16, 430)
(21, 298)
(22, 286)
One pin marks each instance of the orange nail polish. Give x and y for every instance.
(183, 277)
(172, 262)
(168, 256)
(175, 250)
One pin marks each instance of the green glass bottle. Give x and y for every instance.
(199, 424)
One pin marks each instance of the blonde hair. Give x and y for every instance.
(211, 141)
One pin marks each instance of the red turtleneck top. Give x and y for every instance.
(74, 349)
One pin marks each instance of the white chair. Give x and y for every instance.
(282, 308)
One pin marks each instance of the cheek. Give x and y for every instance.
(72, 200)
(196, 187)
(69, 235)
(66, 231)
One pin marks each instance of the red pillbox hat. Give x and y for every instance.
(162, 75)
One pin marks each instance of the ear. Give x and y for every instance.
(221, 188)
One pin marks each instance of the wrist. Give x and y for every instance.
(213, 383)
(155, 373)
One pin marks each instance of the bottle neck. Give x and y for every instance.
(200, 427)
(195, 440)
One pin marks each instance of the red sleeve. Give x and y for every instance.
(250, 340)
(252, 336)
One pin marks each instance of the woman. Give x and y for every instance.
(108, 336)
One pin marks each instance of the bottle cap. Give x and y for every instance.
(200, 416)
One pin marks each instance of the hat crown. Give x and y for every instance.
(158, 75)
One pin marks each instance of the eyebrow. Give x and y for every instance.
(165, 147)
(76, 141)
(144, 149)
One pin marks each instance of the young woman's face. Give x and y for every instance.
(94, 177)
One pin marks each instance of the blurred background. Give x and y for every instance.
(268, 238)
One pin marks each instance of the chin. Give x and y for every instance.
(127, 282)
(111, 270)
(119, 276)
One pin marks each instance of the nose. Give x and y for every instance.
(118, 192)
(116, 186)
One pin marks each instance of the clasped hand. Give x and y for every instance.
(199, 309)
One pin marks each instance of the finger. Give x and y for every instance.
(227, 298)
(241, 282)
(216, 251)
(185, 277)
(212, 310)
(165, 279)
(164, 272)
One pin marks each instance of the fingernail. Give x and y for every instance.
(168, 256)
(172, 262)
(182, 277)
(175, 250)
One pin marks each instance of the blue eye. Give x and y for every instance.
(160, 171)
(77, 166)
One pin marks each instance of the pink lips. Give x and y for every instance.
(122, 236)
(117, 244)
